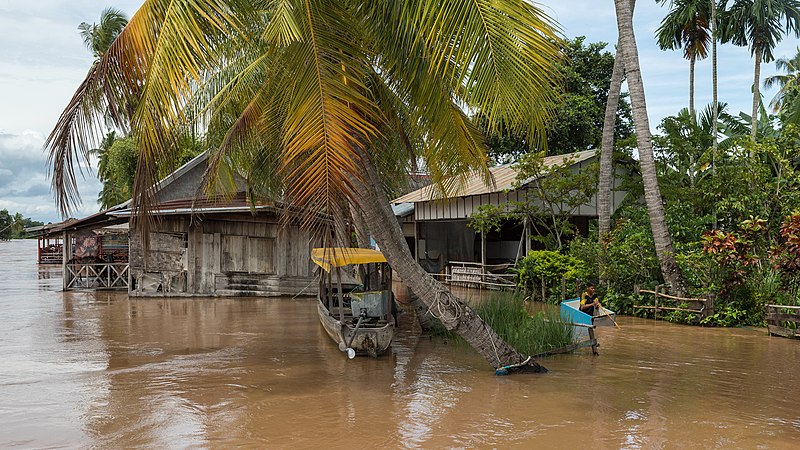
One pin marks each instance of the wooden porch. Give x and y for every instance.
(96, 275)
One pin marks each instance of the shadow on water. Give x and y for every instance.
(97, 369)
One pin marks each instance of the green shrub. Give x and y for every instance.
(630, 253)
(551, 267)
(620, 302)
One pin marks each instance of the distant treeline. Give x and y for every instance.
(13, 226)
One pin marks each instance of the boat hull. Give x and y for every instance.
(371, 339)
(570, 313)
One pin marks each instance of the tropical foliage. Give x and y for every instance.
(578, 118)
(735, 226)
(787, 99)
(544, 271)
(98, 37)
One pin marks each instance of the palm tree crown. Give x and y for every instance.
(687, 26)
(98, 37)
(788, 83)
(759, 24)
(315, 86)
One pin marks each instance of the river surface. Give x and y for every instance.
(97, 369)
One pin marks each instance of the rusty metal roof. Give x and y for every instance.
(504, 178)
(215, 204)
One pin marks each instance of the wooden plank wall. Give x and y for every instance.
(228, 254)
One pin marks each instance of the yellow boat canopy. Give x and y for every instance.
(341, 256)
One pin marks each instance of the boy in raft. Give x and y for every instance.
(589, 300)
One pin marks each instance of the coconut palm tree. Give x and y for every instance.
(788, 84)
(98, 37)
(760, 25)
(331, 97)
(663, 242)
(687, 26)
(607, 146)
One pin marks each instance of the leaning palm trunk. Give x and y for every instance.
(360, 228)
(756, 97)
(715, 111)
(606, 158)
(607, 145)
(452, 312)
(663, 243)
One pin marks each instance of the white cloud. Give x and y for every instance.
(25, 185)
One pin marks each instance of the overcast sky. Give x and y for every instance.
(43, 60)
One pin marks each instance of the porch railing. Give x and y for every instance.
(472, 274)
(97, 276)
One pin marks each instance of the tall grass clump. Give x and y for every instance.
(505, 312)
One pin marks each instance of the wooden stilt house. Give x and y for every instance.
(219, 246)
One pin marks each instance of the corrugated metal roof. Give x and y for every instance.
(216, 204)
(503, 177)
(402, 209)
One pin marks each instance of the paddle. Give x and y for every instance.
(609, 315)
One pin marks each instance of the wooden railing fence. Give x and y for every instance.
(783, 321)
(96, 275)
(703, 307)
(477, 275)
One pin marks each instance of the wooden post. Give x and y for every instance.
(65, 256)
(483, 248)
(563, 288)
(483, 255)
(341, 294)
(321, 296)
(655, 309)
(330, 291)
(527, 233)
(593, 340)
(544, 292)
(416, 238)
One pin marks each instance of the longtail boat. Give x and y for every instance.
(355, 306)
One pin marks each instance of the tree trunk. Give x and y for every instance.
(715, 112)
(452, 312)
(663, 243)
(359, 227)
(692, 62)
(604, 182)
(607, 146)
(756, 98)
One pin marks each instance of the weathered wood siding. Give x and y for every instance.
(224, 254)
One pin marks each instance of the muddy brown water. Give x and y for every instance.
(97, 369)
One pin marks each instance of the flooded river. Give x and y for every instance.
(85, 369)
